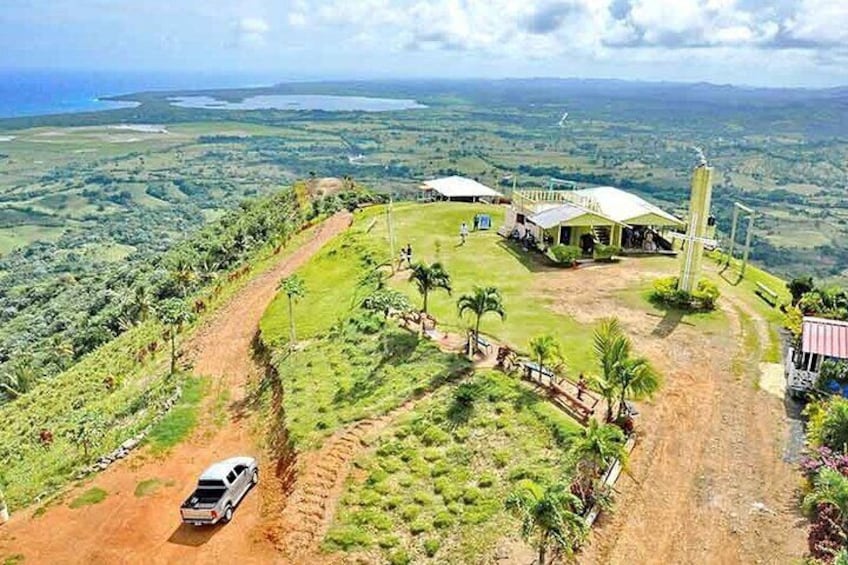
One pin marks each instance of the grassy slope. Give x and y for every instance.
(440, 474)
(350, 376)
(30, 469)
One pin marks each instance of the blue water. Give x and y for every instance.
(33, 93)
(300, 102)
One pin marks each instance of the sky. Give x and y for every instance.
(749, 42)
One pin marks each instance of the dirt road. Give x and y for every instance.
(708, 482)
(129, 529)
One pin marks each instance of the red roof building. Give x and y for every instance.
(827, 338)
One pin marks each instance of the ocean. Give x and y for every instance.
(41, 92)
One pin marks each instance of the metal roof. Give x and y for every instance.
(624, 206)
(825, 337)
(460, 187)
(561, 214)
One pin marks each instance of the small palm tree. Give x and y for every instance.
(594, 449)
(829, 487)
(174, 315)
(636, 380)
(546, 351)
(428, 278)
(184, 274)
(295, 288)
(612, 348)
(481, 301)
(550, 517)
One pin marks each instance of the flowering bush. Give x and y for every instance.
(823, 457)
(826, 536)
(704, 296)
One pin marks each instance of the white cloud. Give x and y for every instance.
(820, 21)
(251, 31)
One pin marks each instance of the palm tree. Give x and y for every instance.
(612, 349)
(545, 350)
(594, 449)
(430, 277)
(636, 380)
(174, 314)
(295, 288)
(184, 274)
(479, 302)
(550, 517)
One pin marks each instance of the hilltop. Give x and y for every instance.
(367, 451)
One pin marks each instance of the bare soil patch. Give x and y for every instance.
(707, 482)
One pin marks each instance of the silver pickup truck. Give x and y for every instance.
(219, 490)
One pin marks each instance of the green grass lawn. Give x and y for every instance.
(435, 484)
(433, 232)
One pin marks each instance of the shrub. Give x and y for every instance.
(834, 428)
(346, 538)
(373, 518)
(431, 547)
(434, 436)
(606, 252)
(422, 498)
(388, 542)
(400, 557)
(439, 469)
(377, 476)
(703, 298)
(368, 497)
(443, 519)
(471, 495)
(565, 254)
(419, 526)
(410, 513)
(825, 537)
(487, 479)
(392, 502)
(431, 454)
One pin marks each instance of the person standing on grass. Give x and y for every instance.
(463, 232)
(408, 253)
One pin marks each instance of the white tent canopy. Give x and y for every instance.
(460, 187)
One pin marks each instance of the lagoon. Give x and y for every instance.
(300, 102)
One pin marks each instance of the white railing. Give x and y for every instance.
(798, 379)
(529, 199)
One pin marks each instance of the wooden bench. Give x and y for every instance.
(767, 294)
(531, 367)
(480, 341)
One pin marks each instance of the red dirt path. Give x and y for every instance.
(129, 529)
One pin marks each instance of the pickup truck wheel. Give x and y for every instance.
(254, 478)
(228, 514)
